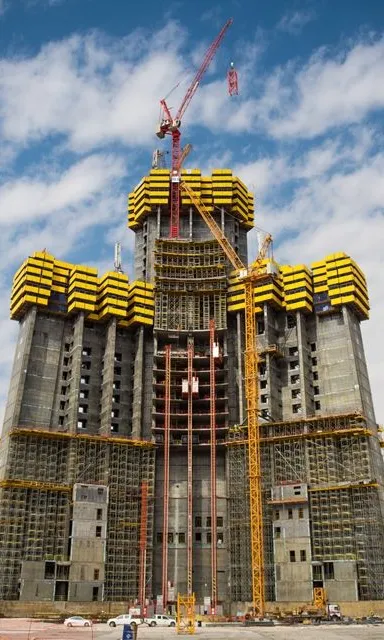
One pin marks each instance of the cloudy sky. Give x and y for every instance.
(80, 83)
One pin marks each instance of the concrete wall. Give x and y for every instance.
(292, 542)
(41, 609)
(344, 583)
(177, 553)
(88, 542)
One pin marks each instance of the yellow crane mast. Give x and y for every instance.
(249, 276)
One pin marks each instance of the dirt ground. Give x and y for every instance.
(25, 629)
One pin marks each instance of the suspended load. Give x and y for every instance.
(195, 386)
(184, 387)
(233, 85)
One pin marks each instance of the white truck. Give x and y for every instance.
(160, 620)
(157, 620)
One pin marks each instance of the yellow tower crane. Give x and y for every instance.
(249, 276)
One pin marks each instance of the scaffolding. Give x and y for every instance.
(185, 614)
(239, 517)
(335, 457)
(36, 503)
(190, 285)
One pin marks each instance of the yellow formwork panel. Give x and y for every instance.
(77, 305)
(299, 306)
(235, 307)
(114, 276)
(83, 282)
(236, 299)
(111, 310)
(344, 282)
(60, 279)
(320, 289)
(319, 278)
(60, 264)
(297, 284)
(221, 172)
(270, 298)
(137, 308)
(148, 286)
(219, 189)
(58, 289)
(138, 319)
(91, 272)
(145, 302)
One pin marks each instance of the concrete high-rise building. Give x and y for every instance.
(123, 459)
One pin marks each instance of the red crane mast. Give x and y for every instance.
(212, 410)
(143, 546)
(171, 126)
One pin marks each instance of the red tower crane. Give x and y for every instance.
(171, 126)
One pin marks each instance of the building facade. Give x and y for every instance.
(123, 463)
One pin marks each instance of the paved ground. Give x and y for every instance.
(22, 629)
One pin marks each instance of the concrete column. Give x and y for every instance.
(190, 223)
(305, 366)
(359, 372)
(108, 377)
(137, 399)
(19, 371)
(76, 373)
(158, 230)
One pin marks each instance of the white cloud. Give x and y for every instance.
(327, 92)
(59, 212)
(297, 100)
(91, 90)
(335, 202)
(25, 199)
(295, 21)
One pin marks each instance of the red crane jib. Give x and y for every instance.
(171, 126)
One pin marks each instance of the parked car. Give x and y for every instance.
(159, 620)
(125, 618)
(77, 621)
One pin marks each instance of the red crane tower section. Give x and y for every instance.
(190, 355)
(171, 126)
(212, 409)
(143, 546)
(167, 426)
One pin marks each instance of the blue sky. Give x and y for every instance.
(80, 82)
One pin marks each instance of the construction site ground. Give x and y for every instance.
(24, 629)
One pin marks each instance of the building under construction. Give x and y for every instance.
(124, 472)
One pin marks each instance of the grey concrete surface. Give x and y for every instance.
(17, 629)
(323, 632)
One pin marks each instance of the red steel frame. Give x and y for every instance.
(212, 398)
(190, 468)
(143, 546)
(167, 423)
